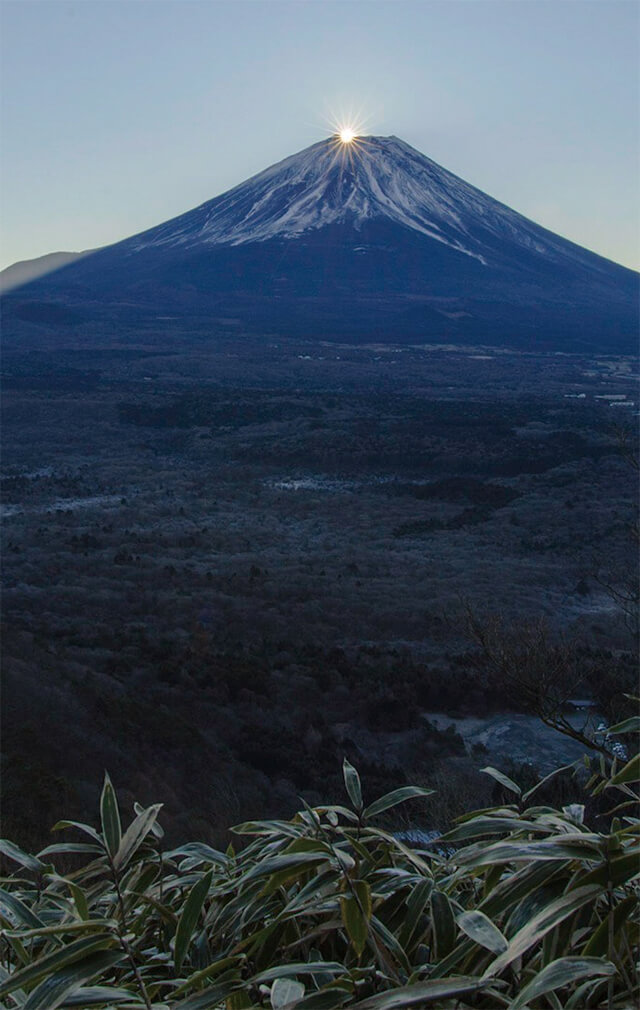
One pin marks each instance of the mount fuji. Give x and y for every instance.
(363, 241)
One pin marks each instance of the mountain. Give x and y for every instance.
(363, 241)
(24, 271)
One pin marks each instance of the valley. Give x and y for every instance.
(227, 567)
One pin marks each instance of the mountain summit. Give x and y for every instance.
(365, 240)
(370, 179)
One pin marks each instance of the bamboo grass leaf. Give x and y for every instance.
(17, 912)
(630, 772)
(56, 961)
(393, 798)
(57, 988)
(286, 993)
(14, 852)
(216, 968)
(547, 778)
(537, 927)
(110, 817)
(64, 927)
(313, 968)
(356, 914)
(212, 997)
(503, 779)
(631, 725)
(189, 918)
(420, 992)
(621, 870)
(64, 848)
(480, 928)
(135, 835)
(598, 943)
(444, 924)
(352, 784)
(86, 828)
(93, 995)
(561, 973)
(416, 904)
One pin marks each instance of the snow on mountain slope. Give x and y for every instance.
(334, 183)
(365, 241)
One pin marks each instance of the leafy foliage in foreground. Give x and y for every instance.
(518, 906)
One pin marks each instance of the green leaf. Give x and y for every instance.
(631, 725)
(17, 912)
(352, 783)
(545, 920)
(69, 847)
(135, 835)
(574, 846)
(110, 817)
(61, 825)
(514, 887)
(92, 995)
(586, 994)
(389, 940)
(620, 870)
(198, 850)
(480, 928)
(420, 992)
(65, 927)
(56, 988)
(240, 1000)
(61, 958)
(356, 913)
(504, 780)
(480, 826)
(286, 877)
(211, 998)
(292, 861)
(630, 772)
(547, 778)
(416, 904)
(444, 924)
(313, 968)
(325, 999)
(396, 796)
(15, 853)
(211, 969)
(157, 830)
(189, 918)
(79, 898)
(560, 973)
(285, 993)
(19, 950)
(598, 943)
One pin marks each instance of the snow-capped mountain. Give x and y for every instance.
(367, 239)
(333, 183)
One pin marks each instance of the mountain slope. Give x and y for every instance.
(24, 271)
(360, 241)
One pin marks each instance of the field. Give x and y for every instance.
(225, 569)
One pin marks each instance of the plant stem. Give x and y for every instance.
(122, 930)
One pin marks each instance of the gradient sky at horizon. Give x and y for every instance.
(120, 114)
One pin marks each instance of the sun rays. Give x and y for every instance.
(348, 137)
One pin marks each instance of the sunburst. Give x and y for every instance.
(347, 135)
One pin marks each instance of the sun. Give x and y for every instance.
(347, 134)
(349, 129)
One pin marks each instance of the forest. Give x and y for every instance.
(228, 569)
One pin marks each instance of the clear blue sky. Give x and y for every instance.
(119, 114)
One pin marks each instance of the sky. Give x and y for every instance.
(117, 115)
